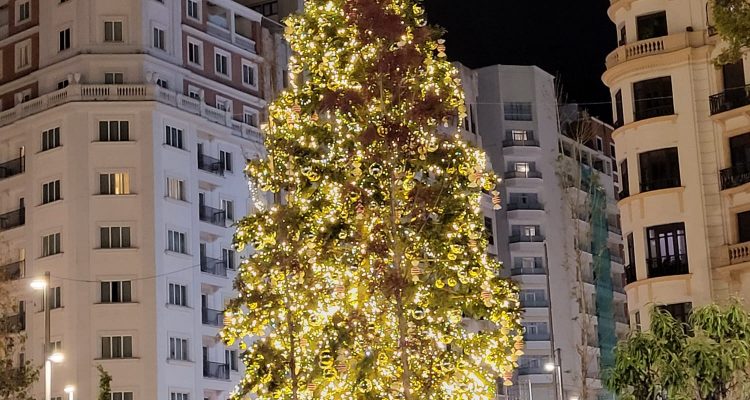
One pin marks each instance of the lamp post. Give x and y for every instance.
(43, 285)
(556, 366)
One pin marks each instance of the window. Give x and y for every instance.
(612, 152)
(176, 189)
(533, 298)
(55, 347)
(653, 98)
(173, 137)
(116, 292)
(623, 36)
(228, 256)
(112, 78)
(176, 242)
(249, 72)
(521, 167)
(178, 350)
(535, 331)
(64, 40)
(519, 135)
(619, 113)
(51, 244)
(194, 92)
(117, 347)
(113, 31)
(660, 169)
(743, 223)
(516, 111)
(192, 9)
(250, 117)
(24, 11)
(667, 250)
(231, 357)
(195, 49)
(528, 231)
(223, 104)
(631, 250)
(488, 227)
(228, 207)
(599, 144)
(221, 62)
(63, 84)
(225, 158)
(178, 295)
(50, 139)
(121, 395)
(23, 55)
(162, 83)
(115, 183)
(679, 311)
(178, 396)
(114, 237)
(268, 9)
(651, 25)
(159, 39)
(637, 318)
(51, 192)
(528, 263)
(55, 297)
(625, 184)
(114, 131)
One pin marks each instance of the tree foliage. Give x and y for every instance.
(15, 379)
(706, 359)
(105, 380)
(732, 18)
(369, 278)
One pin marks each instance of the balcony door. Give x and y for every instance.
(652, 25)
(740, 150)
(667, 250)
(743, 227)
(734, 77)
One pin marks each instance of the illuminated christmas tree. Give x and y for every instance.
(369, 277)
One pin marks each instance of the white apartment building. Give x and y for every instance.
(683, 144)
(536, 231)
(124, 131)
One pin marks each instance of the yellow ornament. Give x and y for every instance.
(376, 170)
(452, 282)
(364, 386)
(418, 314)
(326, 359)
(439, 284)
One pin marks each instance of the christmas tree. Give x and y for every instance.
(369, 277)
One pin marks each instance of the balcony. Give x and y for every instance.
(667, 266)
(538, 370)
(735, 176)
(664, 107)
(536, 303)
(739, 253)
(648, 47)
(13, 323)
(12, 219)
(12, 271)
(12, 167)
(212, 317)
(212, 215)
(522, 238)
(523, 143)
(527, 271)
(658, 184)
(520, 174)
(535, 337)
(533, 205)
(215, 370)
(214, 266)
(210, 164)
(730, 99)
(630, 276)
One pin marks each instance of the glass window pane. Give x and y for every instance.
(127, 346)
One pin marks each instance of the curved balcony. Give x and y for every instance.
(734, 176)
(739, 253)
(667, 266)
(654, 46)
(730, 99)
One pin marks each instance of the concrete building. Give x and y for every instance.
(683, 146)
(274, 9)
(570, 274)
(124, 131)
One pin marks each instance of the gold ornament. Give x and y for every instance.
(439, 284)
(452, 282)
(329, 373)
(364, 386)
(326, 359)
(418, 314)
(376, 170)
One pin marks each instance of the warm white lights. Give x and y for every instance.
(549, 367)
(69, 389)
(38, 284)
(57, 357)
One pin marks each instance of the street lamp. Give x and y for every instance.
(555, 366)
(70, 389)
(43, 285)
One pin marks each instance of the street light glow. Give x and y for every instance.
(69, 389)
(38, 284)
(549, 367)
(56, 358)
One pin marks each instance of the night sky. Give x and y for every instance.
(566, 39)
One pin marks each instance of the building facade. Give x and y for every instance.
(570, 274)
(124, 131)
(683, 141)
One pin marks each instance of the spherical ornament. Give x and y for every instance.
(353, 196)
(447, 366)
(418, 314)
(439, 284)
(381, 129)
(326, 359)
(452, 256)
(455, 317)
(409, 184)
(456, 249)
(452, 282)
(329, 373)
(376, 169)
(313, 176)
(474, 271)
(488, 185)
(383, 358)
(342, 235)
(364, 386)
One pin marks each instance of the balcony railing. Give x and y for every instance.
(12, 167)
(210, 164)
(212, 317)
(532, 370)
(664, 107)
(13, 323)
(736, 175)
(648, 47)
(739, 253)
(517, 142)
(667, 266)
(534, 205)
(215, 370)
(730, 99)
(520, 174)
(12, 219)
(630, 276)
(522, 238)
(536, 337)
(12, 271)
(537, 303)
(214, 266)
(527, 271)
(656, 184)
(212, 215)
